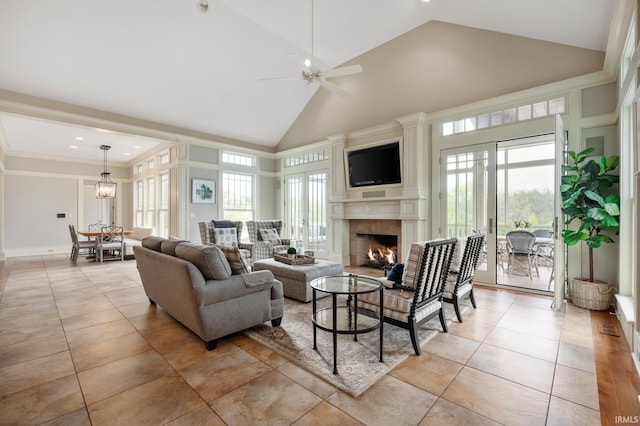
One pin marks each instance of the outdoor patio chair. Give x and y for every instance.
(543, 233)
(522, 251)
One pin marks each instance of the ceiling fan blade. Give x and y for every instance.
(334, 88)
(278, 78)
(338, 72)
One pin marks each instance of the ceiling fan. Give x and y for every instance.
(313, 76)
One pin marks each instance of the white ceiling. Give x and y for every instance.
(170, 62)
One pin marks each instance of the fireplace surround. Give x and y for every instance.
(375, 233)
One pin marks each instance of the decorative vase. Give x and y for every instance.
(291, 256)
(591, 295)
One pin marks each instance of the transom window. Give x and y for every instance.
(238, 159)
(163, 158)
(505, 116)
(309, 157)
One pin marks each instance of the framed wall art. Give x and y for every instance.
(203, 191)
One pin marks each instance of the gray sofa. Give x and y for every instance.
(196, 285)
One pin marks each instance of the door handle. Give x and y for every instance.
(490, 227)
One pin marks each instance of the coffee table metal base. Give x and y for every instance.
(346, 320)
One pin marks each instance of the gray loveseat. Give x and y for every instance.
(195, 285)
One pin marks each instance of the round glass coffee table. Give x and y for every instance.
(346, 319)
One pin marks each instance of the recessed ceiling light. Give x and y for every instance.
(126, 153)
(73, 146)
(79, 138)
(137, 147)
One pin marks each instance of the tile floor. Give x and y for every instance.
(82, 345)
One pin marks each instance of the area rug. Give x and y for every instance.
(358, 361)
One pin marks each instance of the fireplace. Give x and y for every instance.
(374, 243)
(376, 251)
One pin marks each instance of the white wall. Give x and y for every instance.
(35, 190)
(31, 206)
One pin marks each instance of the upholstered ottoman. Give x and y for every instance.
(296, 278)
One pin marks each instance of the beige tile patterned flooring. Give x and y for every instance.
(81, 345)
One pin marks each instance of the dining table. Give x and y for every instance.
(540, 242)
(95, 234)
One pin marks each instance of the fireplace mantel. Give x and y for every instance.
(410, 212)
(410, 209)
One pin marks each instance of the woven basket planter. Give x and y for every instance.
(591, 295)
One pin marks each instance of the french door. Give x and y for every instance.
(468, 190)
(559, 247)
(486, 188)
(306, 210)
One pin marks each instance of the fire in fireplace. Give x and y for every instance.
(377, 251)
(379, 257)
(378, 236)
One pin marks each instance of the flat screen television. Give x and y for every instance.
(378, 165)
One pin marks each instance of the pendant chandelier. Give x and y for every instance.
(105, 188)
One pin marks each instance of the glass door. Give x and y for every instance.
(498, 187)
(306, 210)
(468, 188)
(525, 202)
(559, 266)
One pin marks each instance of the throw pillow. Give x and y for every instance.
(395, 274)
(152, 242)
(270, 235)
(208, 259)
(169, 246)
(236, 259)
(223, 224)
(225, 237)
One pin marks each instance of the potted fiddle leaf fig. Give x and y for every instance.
(590, 198)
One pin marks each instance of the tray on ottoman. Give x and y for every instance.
(298, 259)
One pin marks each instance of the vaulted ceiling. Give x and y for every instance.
(206, 70)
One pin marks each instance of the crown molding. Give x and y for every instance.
(623, 13)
